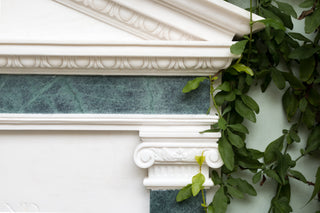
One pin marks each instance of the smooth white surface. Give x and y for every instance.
(38, 20)
(71, 171)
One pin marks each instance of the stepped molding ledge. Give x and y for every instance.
(169, 143)
(135, 58)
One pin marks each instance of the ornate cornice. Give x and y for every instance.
(217, 14)
(110, 65)
(129, 20)
(149, 58)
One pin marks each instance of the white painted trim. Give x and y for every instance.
(217, 14)
(131, 21)
(192, 49)
(135, 58)
(130, 122)
(168, 145)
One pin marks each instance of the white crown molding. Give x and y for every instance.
(144, 58)
(183, 38)
(168, 145)
(180, 20)
(218, 14)
(129, 20)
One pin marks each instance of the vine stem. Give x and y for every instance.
(250, 36)
(308, 182)
(204, 201)
(298, 158)
(202, 192)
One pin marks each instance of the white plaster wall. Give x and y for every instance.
(46, 20)
(71, 171)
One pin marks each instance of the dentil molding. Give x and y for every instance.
(169, 143)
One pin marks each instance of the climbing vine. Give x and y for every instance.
(290, 60)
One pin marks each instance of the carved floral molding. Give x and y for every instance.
(132, 21)
(148, 58)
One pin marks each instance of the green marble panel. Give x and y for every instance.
(165, 202)
(100, 94)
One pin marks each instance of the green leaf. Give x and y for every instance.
(303, 52)
(313, 97)
(293, 134)
(235, 139)
(256, 154)
(223, 96)
(294, 82)
(286, 19)
(270, 15)
(287, 9)
(269, 22)
(283, 166)
(278, 79)
(210, 130)
(306, 4)
(252, 104)
(200, 159)
(312, 21)
(242, 185)
(290, 104)
(303, 103)
(234, 192)
(238, 47)
(248, 162)
(279, 36)
(299, 37)
(257, 177)
(281, 205)
(216, 177)
(285, 190)
(272, 47)
(193, 84)
(184, 193)
(308, 117)
(197, 183)
(244, 111)
(273, 150)
(220, 201)
(316, 188)
(222, 123)
(239, 128)
(306, 68)
(243, 68)
(272, 174)
(226, 152)
(225, 86)
(313, 142)
(298, 175)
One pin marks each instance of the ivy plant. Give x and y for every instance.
(290, 60)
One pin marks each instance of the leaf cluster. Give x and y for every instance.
(290, 61)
